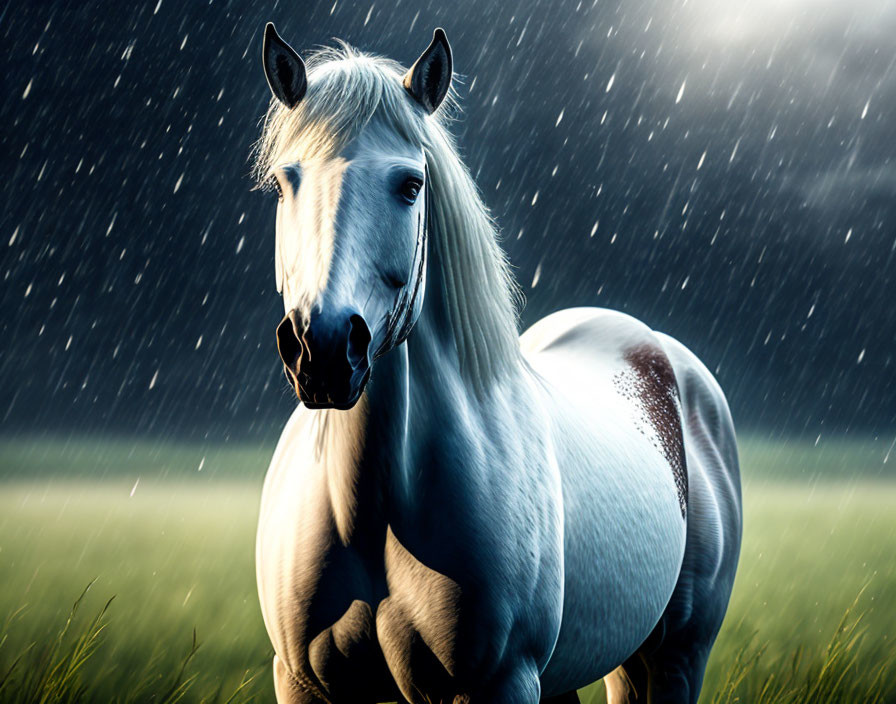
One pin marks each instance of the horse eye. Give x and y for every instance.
(410, 189)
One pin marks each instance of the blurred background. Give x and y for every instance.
(723, 170)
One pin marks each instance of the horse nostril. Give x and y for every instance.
(358, 341)
(288, 343)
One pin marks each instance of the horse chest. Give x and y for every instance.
(455, 571)
(373, 614)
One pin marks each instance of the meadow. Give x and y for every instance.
(167, 529)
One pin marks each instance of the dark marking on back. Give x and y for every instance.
(649, 380)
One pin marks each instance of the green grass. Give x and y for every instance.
(39, 457)
(176, 555)
(811, 618)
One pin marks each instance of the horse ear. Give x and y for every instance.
(428, 79)
(283, 68)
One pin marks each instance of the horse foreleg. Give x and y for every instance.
(293, 689)
(628, 683)
(668, 675)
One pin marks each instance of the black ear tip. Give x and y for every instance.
(439, 36)
(270, 35)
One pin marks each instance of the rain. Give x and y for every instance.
(755, 163)
(722, 170)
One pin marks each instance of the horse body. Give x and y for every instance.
(620, 572)
(454, 574)
(651, 585)
(483, 517)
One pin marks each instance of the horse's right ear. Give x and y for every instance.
(283, 68)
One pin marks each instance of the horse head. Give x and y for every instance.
(352, 218)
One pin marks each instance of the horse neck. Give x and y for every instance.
(407, 380)
(368, 452)
(416, 393)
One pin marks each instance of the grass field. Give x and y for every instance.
(169, 531)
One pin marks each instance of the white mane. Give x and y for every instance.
(346, 88)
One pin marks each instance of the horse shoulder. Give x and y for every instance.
(463, 568)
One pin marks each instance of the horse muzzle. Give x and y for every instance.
(326, 360)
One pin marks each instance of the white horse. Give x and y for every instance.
(456, 513)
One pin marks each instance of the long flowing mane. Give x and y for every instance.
(346, 89)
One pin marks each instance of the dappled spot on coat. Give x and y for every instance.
(649, 381)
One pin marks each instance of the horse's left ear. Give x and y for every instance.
(430, 76)
(283, 68)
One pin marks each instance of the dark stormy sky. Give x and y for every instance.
(724, 170)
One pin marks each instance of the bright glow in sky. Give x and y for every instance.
(762, 21)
